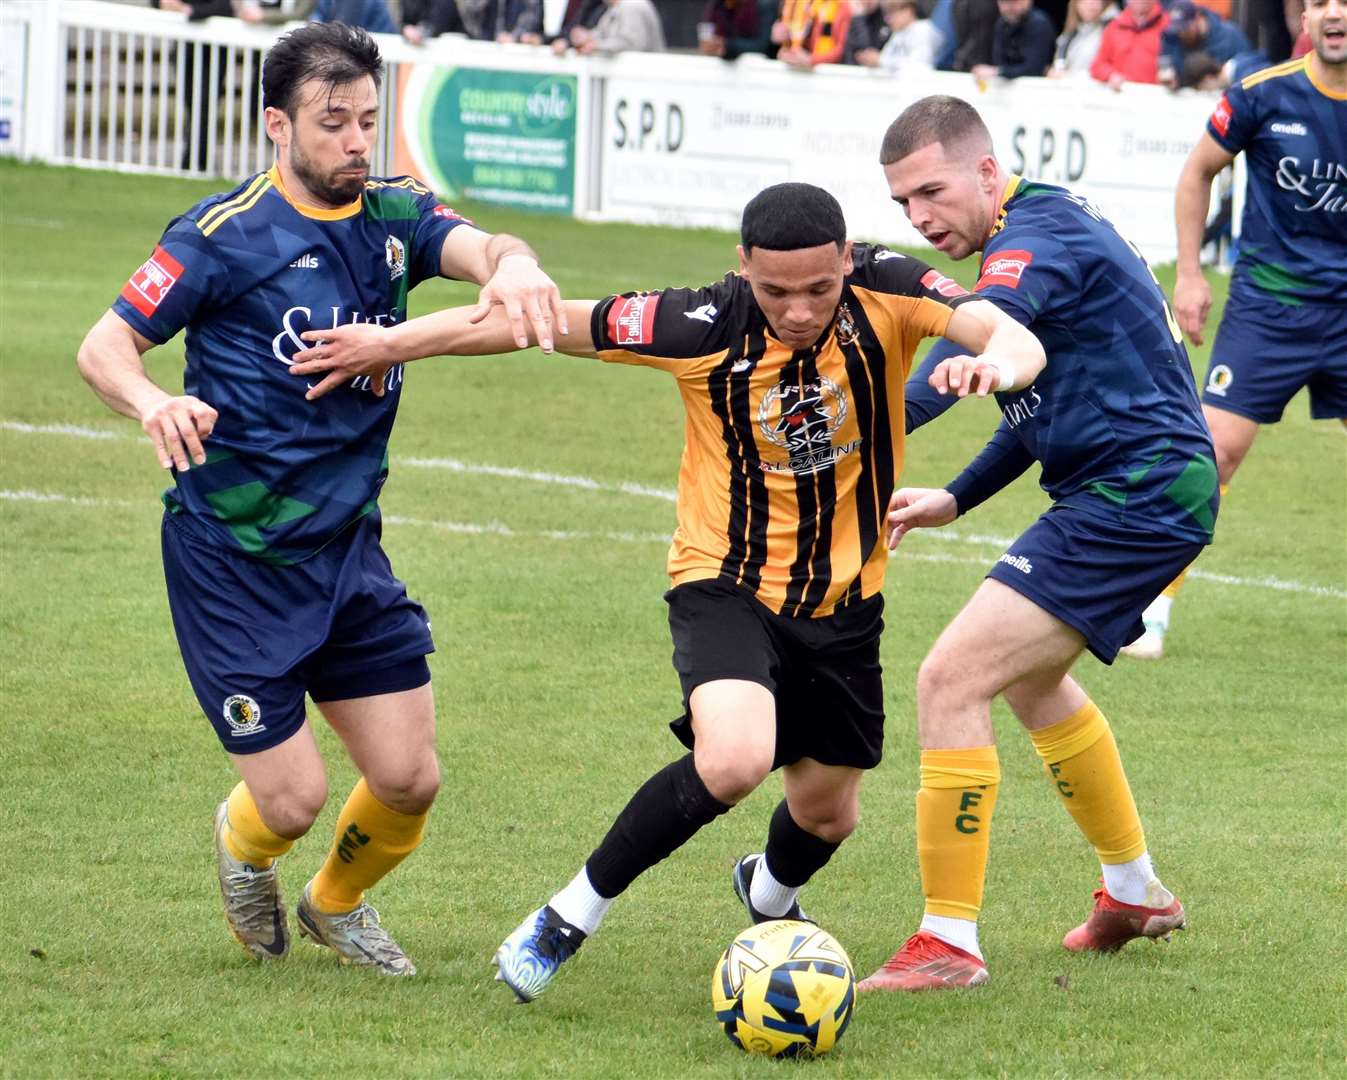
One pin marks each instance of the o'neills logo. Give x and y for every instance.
(1291, 128)
(1017, 562)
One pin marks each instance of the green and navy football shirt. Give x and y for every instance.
(247, 272)
(1114, 417)
(1293, 236)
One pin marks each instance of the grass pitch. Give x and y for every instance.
(529, 510)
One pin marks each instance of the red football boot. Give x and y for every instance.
(926, 962)
(1112, 924)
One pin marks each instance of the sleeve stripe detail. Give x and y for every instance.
(1288, 68)
(410, 183)
(218, 215)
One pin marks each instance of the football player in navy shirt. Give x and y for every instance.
(1114, 423)
(1285, 322)
(277, 582)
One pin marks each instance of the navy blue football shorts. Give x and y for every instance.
(1094, 576)
(255, 637)
(824, 672)
(1265, 352)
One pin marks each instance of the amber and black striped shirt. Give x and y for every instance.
(790, 456)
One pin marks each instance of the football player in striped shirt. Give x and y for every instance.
(277, 582)
(1113, 420)
(1285, 322)
(791, 373)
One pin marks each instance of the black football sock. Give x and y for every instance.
(663, 815)
(794, 855)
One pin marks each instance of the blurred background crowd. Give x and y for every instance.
(1175, 43)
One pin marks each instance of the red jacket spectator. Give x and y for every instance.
(1130, 45)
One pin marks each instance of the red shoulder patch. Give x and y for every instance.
(936, 282)
(1004, 268)
(1220, 119)
(150, 284)
(631, 319)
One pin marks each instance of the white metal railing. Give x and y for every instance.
(131, 88)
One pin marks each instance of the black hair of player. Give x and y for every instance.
(788, 217)
(333, 53)
(937, 118)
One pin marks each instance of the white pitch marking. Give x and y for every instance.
(588, 484)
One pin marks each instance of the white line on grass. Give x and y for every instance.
(589, 484)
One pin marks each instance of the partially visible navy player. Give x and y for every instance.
(1285, 322)
(276, 579)
(1114, 422)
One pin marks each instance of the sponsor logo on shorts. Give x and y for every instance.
(150, 284)
(936, 282)
(1223, 114)
(1005, 268)
(243, 715)
(1292, 127)
(1219, 379)
(1017, 562)
(396, 257)
(631, 319)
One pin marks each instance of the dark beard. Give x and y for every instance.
(335, 194)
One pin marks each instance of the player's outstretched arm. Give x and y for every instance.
(919, 508)
(110, 361)
(1006, 356)
(346, 352)
(511, 278)
(1192, 199)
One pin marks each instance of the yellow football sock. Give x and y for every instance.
(245, 834)
(1082, 759)
(954, 818)
(371, 840)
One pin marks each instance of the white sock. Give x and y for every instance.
(1128, 881)
(580, 905)
(768, 895)
(1158, 610)
(960, 932)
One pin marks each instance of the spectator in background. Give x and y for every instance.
(1129, 48)
(371, 15)
(274, 12)
(974, 30)
(581, 15)
(625, 26)
(1193, 30)
(426, 19)
(810, 32)
(1076, 48)
(504, 21)
(1022, 42)
(913, 41)
(736, 27)
(195, 12)
(866, 34)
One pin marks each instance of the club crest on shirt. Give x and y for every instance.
(802, 420)
(396, 257)
(847, 331)
(243, 715)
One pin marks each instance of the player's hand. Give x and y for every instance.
(919, 508)
(177, 426)
(342, 354)
(520, 285)
(1192, 302)
(964, 375)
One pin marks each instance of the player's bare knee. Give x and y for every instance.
(408, 790)
(291, 812)
(944, 682)
(833, 823)
(732, 770)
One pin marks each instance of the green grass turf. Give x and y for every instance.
(553, 684)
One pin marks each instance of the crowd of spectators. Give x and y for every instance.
(1174, 43)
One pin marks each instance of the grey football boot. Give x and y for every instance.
(355, 936)
(253, 907)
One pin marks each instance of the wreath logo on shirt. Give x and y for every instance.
(802, 420)
(396, 257)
